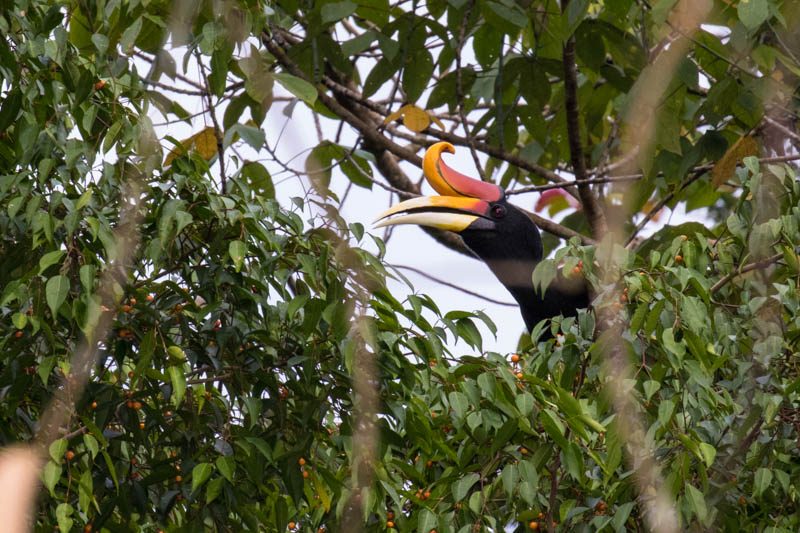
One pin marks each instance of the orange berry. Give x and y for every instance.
(305, 474)
(125, 308)
(429, 464)
(540, 516)
(390, 515)
(18, 334)
(432, 363)
(301, 461)
(178, 478)
(122, 333)
(129, 404)
(97, 86)
(743, 500)
(94, 405)
(520, 375)
(576, 270)
(209, 395)
(601, 435)
(679, 258)
(70, 455)
(87, 528)
(131, 374)
(390, 524)
(141, 425)
(137, 405)
(534, 525)
(132, 301)
(427, 494)
(149, 297)
(515, 358)
(523, 451)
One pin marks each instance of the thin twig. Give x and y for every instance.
(454, 286)
(217, 130)
(610, 179)
(746, 268)
(591, 204)
(460, 92)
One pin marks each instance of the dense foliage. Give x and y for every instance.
(257, 374)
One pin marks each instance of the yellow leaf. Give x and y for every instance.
(394, 116)
(745, 146)
(414, 118)
(204, 143)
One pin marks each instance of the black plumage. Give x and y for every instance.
(499, 233)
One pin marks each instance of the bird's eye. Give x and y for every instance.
(498, 211)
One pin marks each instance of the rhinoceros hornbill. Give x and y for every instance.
(496, 231)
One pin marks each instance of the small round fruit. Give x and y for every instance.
(515, 358)
(301, 461)
(70, 455)
(534, 526)
(390, 524)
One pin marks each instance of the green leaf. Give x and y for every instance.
(200, 473)
(544, 274)
(213, 489)
(510, 478)
(708, 452)
(255, 137)
(178, 380)
(459, 403)
(461, 487)
(753, 13)
(761, 481)
(298, 87)
(130, 34)
(621, 515)
(91, 444)
(258, 179)
(697, 502)
(63, 513)
(51, 475)
(50, 258)
(10, 109)
(19, 320)
(427, 520)
(56, 292)
(337, 11)
(100, 42)
(57, 449)
(226, 466)
(237, 251)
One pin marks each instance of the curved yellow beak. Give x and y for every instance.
(464, 200)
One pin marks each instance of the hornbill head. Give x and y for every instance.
(504, 237)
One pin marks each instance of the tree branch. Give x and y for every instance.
(591, 203)
(746, 268)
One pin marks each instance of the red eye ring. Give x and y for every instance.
(498, 211)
